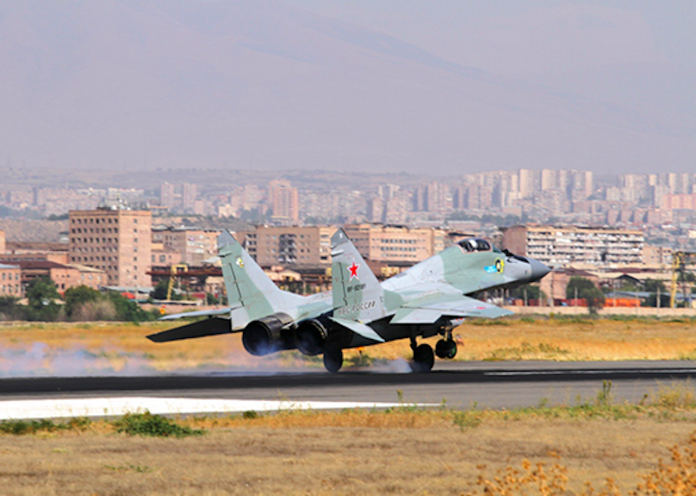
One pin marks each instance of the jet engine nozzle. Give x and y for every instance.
(310, 337)
(268, 335)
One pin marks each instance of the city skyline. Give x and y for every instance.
(662, 205)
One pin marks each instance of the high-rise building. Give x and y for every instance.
(291, 245)
(115, 241)
(189, 192)
(284, 202)
(167, 195)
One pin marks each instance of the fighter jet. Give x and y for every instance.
(431, 298)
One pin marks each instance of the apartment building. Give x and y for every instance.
(185, 245)
(289, 245)
(115, 241)
(561, 246)
(65, 276)
(396, 244)
(284, 201)
(10, 280)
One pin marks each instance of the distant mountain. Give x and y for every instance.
(256, 84)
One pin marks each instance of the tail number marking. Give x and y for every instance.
(356, 308)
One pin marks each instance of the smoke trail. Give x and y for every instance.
(40, 360)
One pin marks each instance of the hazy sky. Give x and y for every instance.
(449, 86)
(590, 47)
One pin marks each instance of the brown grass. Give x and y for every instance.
(337, 455)
(122, 347)
(567, 339)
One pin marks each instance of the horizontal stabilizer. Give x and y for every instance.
(208, 327)
(200, 313)
(359, 329)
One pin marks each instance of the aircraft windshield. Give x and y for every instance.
(475, 244)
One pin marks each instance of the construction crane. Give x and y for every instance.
(176, 270)
(680, 259)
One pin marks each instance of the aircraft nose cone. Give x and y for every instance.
(539, 270)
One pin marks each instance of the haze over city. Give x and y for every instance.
(447, 87)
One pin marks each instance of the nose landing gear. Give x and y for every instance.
(446, 348)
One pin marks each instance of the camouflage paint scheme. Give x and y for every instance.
(359, 311)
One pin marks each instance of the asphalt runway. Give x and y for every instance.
(459, 384)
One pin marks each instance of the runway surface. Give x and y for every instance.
(459, 384)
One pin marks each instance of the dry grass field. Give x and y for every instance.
(403, 451)
(74, 348)
(366, 453)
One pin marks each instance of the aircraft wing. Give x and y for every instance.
(200, 313)
(429, 309)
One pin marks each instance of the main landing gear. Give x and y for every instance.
(423, 357)
(446, 348)
(333, 359)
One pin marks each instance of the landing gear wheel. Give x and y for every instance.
(446, 348)
(423, 359)
(333, 360)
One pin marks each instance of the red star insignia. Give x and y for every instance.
(353, 269)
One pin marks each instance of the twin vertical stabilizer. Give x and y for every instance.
(357, 294)
(247, 285)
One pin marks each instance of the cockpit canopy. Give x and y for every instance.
(475, 244)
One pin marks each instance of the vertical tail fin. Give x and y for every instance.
(357, 294)
(246, 283)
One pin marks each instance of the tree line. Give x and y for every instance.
(80, 303)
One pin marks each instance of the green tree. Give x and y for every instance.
(78, 296)
(128, 310)
(585, 289)
(9, 310)
(160, 290)
(42, 295)
(211, 299)
(654, 287)
(532, 292)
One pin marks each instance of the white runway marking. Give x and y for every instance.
(101, 407)
(589, 372)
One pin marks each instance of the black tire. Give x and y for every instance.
(333, 360)
(446, 349)
(423, 359)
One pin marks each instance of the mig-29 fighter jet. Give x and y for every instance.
(425, 300)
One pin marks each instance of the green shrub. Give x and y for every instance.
(146, 424)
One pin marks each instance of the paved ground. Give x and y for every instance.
(460, 384)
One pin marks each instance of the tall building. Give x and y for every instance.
(380, 243)
(192, 246)
(3, 246)
(558, 246)
(290, 245)
(189, 192)
(683, 202)
(284, 201)
(115, 241)
(167, 195)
